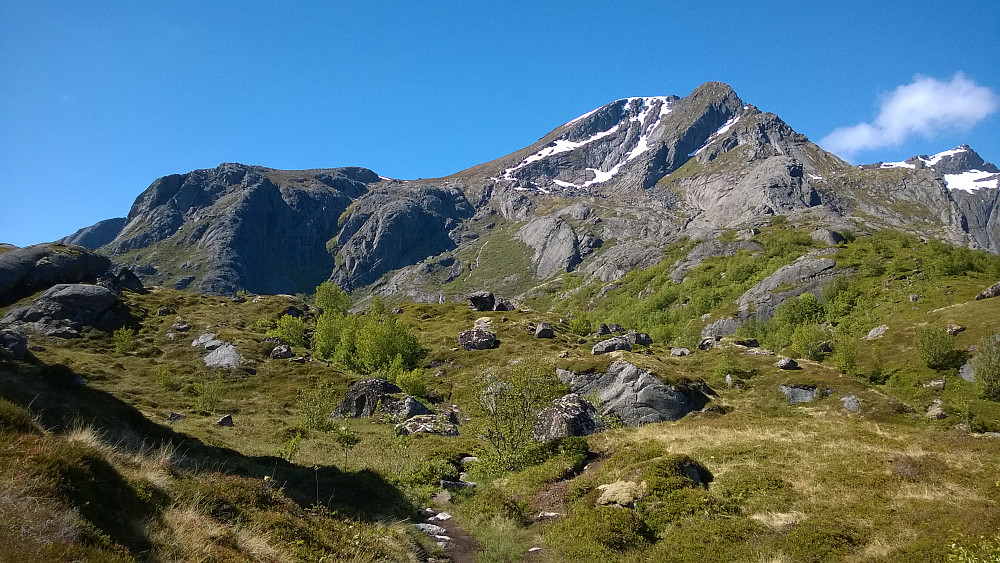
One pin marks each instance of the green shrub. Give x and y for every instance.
(811, 341)
(315, 406)
(599, 532)
(821, 539)
(366, 344)
(986, 366)
(935, 347)
(845, 355)
(124, 341)
(496, 501)
(580, 325)
(291, 330)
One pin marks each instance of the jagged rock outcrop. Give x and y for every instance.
(27, 270)
(807, 273)
(65, 309)
(242, 227)
(364, 397)
(96, 235)
(405, 408)
(394, 227)
(611, 345)
(634, 395)
(569, 415)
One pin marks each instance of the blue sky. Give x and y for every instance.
(98, 99)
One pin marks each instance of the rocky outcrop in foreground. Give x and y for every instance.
(634, 395)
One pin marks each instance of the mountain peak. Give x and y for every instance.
(962, 168)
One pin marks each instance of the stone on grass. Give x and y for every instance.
(544, 330)
(482, 301)
(640, 338)
(937, 384)
(364, 397)
(281, 352)
(787, 363)
(569, 415)
(13, 344)
(611, 344)
(876, 332)
(426, 424)
(851, 403)
(226, 420)
(935, 411)
(477, 339)
(798, 393)
(224, 356)
(989, 292)
(679, 352)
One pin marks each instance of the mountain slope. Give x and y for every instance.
(601, 195)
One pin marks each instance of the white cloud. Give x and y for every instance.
(924, 107)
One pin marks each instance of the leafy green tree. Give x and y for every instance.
(290, 329)
(332, 299)
(509, 399)
(124, 341)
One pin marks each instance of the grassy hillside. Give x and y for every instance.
(97, 471)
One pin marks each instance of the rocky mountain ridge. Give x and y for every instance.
(600, 195)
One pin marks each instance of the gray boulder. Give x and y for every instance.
(721, 327)
(64, 309)
(477, 339)
(876, 332)
(503, 305)
(482, 301)
(677, 352)
(638, 338)
(207, 341)
(364, 397)
(226, 420)
(827, 237)
(225, 356)
(632, 394)
(426, 424)
(28, 270)
(967, 373)
(405, 408)
(570, 415)
(798, 393)
(611, 344)
(989, 292)
(281, 352)
(851, 403)
(544, 330)
(13, 344)
(787, 363)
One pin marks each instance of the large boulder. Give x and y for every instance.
(64, 309)
(632, 394)
(640, 338)
(482, 301)
(364, 397)
(544, 330)
(989, 292)
(477, 339)
(827, 237)
(405, 408)
(27, 270)
(611, 344)
(570, 415)
(427, 424)
(225, 356)
(806, 274)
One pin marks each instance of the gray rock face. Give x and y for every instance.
(570, 415)
(364, 397)
(65, 309)
(555, 245)
(391, 228)
(13, 345)
(96, 235)
(477, 339)
(807, 273)
(225, 356)
(612, 344)
(967, 373)
(27, 270)
(706, 250)
(634, 395)
(722, 327)
(544, 330)
(239, 223)
(678, 352)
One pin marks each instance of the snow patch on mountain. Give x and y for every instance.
(718, 133)
(645, 108)
(972, 181)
